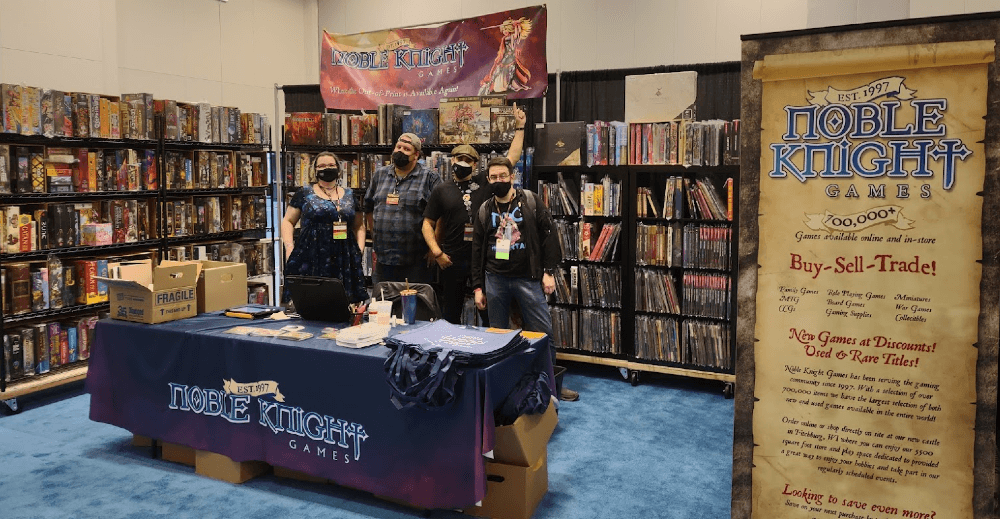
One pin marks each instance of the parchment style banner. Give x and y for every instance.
(499, 53)
(866, 319)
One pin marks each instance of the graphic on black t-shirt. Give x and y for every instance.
(504, 220)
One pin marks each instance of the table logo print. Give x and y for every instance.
(310, 433)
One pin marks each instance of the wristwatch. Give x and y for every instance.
(549, 271)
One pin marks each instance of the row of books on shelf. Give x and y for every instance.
(457, 120)
(588, 285)
(706, 295)
(28, 110)
(194, 216)
(37, 349)
(694, 245)
(82, 170)
(594, 331)
(655, 292)
(47, 226)
(213, 170)
(588, 241)
(59, 225)
(258, 254)
(440, 162)
(687, 341)
(356, 169)
(53, 283)
(684, 143)
(707, 246)
(685, 197)
(658, 245)
(680, 142)
(592, 199)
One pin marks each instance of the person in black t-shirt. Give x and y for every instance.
(515, 250)
(447, 226)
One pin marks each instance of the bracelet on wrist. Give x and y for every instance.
(477, 289)
(438, 255)
(518, 129)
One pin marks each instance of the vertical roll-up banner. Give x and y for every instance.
(868, 286)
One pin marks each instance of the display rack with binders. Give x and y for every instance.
(668, 290)
(74, 205)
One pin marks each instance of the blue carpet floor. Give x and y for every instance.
(662, 449)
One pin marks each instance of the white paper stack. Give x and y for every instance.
(362, 335)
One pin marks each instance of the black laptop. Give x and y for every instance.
(319, 299)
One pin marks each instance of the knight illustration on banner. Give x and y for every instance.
(508, 72)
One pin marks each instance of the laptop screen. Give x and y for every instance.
(319, 299)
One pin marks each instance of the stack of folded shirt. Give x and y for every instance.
(425, 364)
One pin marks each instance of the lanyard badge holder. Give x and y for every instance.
(339, 230)
(503, 243)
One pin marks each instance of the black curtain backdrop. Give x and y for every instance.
(303, 98)
(600, 94)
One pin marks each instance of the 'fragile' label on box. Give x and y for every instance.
(177, 296)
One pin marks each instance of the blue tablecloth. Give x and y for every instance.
(310, 406)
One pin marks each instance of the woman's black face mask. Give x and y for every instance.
(327, 174)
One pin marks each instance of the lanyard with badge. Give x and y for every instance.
(505, 232)
(393, 197)
(466, 195)
(340, 226)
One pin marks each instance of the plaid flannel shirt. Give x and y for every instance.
(398, 239)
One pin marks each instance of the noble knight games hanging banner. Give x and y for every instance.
(868, 285)
(500, 53)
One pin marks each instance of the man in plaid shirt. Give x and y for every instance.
(394, 207)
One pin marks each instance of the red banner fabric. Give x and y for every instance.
(499, 53)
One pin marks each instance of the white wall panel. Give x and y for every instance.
(201, 37)
(736, 17)
(285, 50)
(654, 39)
(783, 15)
(249, 98)
(577, 36)
(152, 34)
(695, 29)
(882, 10)
(240, 42)
(925, 8)
(554, 31)
(55, 72)
(69, 28)
(203, 91)
(827, 13)
(373, 15)
(981, 6)
(161, 85)
(618, 29)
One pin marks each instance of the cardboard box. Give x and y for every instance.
(513, 492)
(221, 285)
(171, 295)
(282, 472)
(177, 453)
(522, 442)
(219, 466)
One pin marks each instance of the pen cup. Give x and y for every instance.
(409, 298)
